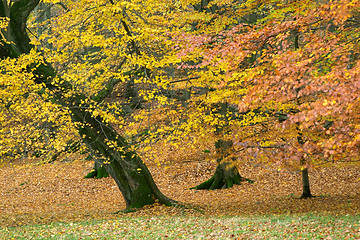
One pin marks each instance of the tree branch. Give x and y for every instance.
(19, 13)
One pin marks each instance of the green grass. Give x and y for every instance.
(309, 226)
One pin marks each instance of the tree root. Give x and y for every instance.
(222, 179)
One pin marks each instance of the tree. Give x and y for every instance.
(207, 114)
(292, 75)
(268, 81)
(19, 58)
(226, 173)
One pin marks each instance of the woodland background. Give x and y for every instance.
(256, 101)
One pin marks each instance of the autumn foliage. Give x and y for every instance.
(292, 73)
(277, 80)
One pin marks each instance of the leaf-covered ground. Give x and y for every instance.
(58, 192)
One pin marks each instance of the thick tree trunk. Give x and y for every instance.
(135, 182)
(226, 173)
(225, 176)
(123, 164)
(108, 147)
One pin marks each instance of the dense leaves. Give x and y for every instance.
(293, 74)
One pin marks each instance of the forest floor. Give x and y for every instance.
(57, 192)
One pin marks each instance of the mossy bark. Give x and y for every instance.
(226, 173)
(98, 171)
(225, 176)
(123, 164)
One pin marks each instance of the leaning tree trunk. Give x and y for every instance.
(226, 173)
(123, 164)
(132, 102)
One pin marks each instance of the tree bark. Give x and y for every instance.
(226, 173)
(98, 171)
(306, 184)
(121, 162)
(304, 172)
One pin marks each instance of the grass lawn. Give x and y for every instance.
(285, 226)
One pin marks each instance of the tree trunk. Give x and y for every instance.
(225, 176)
(114, 153)
(306, 184)
(108, 147)
(226, 173)
(98, 171)
(304, 172)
